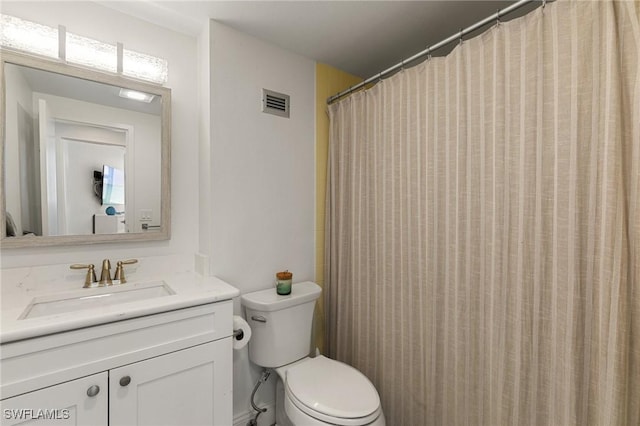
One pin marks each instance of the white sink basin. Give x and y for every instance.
(95, 298)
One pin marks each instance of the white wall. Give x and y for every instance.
(93, 20)
(18, 97)
(204, 147)
(261, 166)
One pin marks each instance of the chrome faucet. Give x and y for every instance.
(105, 275)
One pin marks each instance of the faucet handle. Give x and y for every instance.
(91, 273)
(119, 275)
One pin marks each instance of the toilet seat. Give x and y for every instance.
(332, 392)
(300, 414)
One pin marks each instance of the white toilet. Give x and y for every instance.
(310, 391)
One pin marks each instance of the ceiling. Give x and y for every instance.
(360, 37)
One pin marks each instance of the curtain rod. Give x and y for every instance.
(495, 17)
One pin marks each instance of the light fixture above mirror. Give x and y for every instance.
(34, 38)
(68, 137)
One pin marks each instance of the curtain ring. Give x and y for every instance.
(402, 65)
(544, 3)
(428, 53)
(461, 34)
(498, 17)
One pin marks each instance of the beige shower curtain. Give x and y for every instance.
(483, 226)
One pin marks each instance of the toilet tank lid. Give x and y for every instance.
(268, 300)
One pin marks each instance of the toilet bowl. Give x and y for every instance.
(310, 391)
(321, 391)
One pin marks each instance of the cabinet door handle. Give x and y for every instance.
(124, 381)
(93, 390)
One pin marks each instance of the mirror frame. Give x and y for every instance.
(60, 67)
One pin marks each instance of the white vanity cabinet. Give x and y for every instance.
(170, 368)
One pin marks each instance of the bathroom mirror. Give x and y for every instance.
(85, 155)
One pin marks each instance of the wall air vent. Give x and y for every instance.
(275, 103)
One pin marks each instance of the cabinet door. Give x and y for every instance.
(80, 402)
(188, 387)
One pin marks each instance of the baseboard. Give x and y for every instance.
(266, 419)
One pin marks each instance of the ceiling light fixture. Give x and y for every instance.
(136, 96)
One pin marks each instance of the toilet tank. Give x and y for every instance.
(280, 325)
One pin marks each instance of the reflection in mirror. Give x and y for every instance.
(82, 158)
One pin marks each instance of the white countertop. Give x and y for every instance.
(21, 286)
